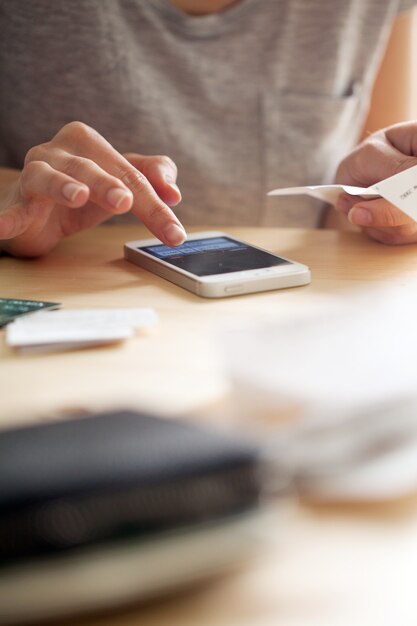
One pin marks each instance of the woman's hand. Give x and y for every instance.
(382, 154)
(78, 180)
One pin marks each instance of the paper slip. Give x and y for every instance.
(65, 329)
(400, 190)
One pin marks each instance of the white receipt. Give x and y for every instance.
(76, 328)
(400, 190)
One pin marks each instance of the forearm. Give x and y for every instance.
(392, 94)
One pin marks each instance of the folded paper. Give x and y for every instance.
(400, 190)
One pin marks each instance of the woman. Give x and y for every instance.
(243, 95)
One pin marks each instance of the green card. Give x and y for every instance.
(9, 308)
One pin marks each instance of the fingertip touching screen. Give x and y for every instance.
(215, 255)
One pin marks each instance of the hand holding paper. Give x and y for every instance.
(382, 166)
(400, 190)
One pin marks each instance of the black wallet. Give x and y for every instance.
(87, 480)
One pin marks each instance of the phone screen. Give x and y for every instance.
(215, 255)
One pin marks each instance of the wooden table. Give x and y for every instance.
(324, 566)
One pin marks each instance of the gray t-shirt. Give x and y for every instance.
(267, 93)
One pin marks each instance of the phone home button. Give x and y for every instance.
(234, 289)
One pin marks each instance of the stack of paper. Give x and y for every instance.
(77, 328)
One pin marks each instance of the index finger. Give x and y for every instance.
(147, 205)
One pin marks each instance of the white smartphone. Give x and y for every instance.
(214, 265)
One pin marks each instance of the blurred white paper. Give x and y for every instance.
(400, 190)
(351, 376)
(366, 456)
(76, 328)
(353, 357)
(67, 318)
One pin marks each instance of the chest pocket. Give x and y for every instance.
(305, 136)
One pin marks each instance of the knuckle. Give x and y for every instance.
(76, 131)
(134, 180)
(29, 172)
(74, 165)
(33, 171)
(377, 139)
(156, 212)
(31, 168)
(31, 155)
(36, 153)
(26, 176)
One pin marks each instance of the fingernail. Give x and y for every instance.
(171, 182)
(174, 235)
(117, 197)
(70, 191)
(360, 217)
(175, 186)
